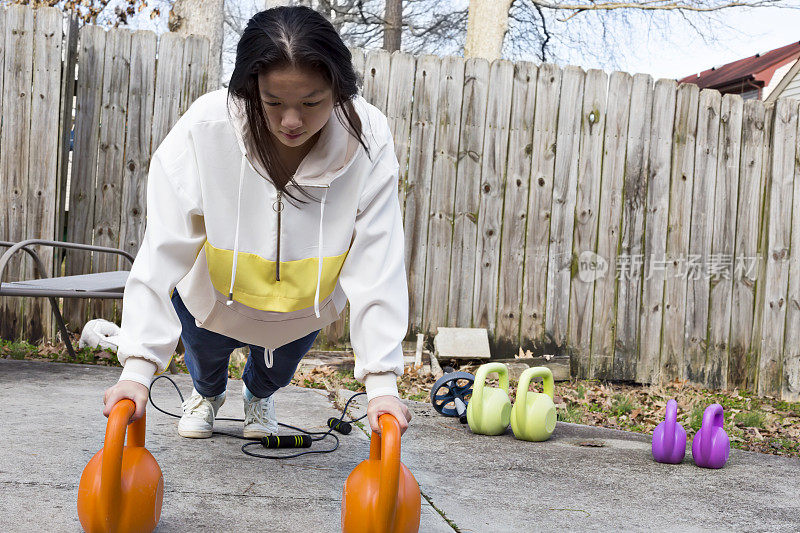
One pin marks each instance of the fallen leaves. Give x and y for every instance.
(527, 354)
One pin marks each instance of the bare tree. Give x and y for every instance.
(486, 28)
(587, 32)
(201, 17)
(393, 26)
(577, 29)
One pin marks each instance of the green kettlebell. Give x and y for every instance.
(533, 416)
(489, 409)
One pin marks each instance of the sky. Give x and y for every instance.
(750, 31)
(679, 52)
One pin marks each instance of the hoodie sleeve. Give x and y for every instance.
(374, 278)
(174, 235)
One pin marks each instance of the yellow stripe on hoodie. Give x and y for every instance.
(256, 286)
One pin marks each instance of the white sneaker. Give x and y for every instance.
(259, 416)
(197, 421)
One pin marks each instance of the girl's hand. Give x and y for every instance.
(387, 404)
(126, 389)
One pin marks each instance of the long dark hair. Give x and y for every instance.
(294, 36)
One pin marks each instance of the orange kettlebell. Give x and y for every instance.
(380, 494)
(121, 488)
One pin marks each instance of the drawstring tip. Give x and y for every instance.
(230, 299)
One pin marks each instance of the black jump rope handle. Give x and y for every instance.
(341, 426)
(302, 441)
(286, 441)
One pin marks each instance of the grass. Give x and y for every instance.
(750, 419)
(622, 405)
(580, 391)
(570, 414)
(56, 353)
(696, 419)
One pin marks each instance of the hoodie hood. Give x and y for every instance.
(334, 150)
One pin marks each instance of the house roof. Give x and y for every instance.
(758, 68)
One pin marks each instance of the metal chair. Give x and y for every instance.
(105, 285)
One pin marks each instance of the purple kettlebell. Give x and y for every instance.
(669, 438)
(710, 447)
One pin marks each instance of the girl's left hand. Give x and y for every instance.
(387, 404)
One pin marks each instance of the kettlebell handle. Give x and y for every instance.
(386, 449)
(111, 469)
(713, 418)
(480, 381)
(670, 422)
(548, 385)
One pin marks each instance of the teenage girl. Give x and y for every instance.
(269, 206)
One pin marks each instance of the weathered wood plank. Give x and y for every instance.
(2, 70)
(42, 202)
(194, 70)
(781, 187)
(110, 164)
(743, 356)
(763, 241)
(443, 185)
(398, 112)
(545, 127)
(91, 54)
(790, 364)
(166, 105)
(15, 139)
(358, 65)
(515, 210)
(562, 221)
(137, 144)
(629, 267)
(468, 179)
(680, 212)
(723, 241)
(655, 243)
(66, 122)
(587, 205)
(609, 223)
(418, 190)
(493, 175)
(377, 70)
(697, 289)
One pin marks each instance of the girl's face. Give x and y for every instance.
(298, 103)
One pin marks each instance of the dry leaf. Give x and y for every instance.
(527, 354)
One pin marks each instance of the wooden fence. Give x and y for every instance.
(643, 228)
(128, 89)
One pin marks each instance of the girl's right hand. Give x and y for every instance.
(126, 389)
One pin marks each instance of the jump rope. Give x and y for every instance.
(304, 439)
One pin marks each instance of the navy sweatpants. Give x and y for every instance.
(207, 355)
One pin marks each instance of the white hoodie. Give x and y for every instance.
(212, 231)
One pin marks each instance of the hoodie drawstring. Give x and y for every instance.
(319, 254)
(236, 243)
(236, 234)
